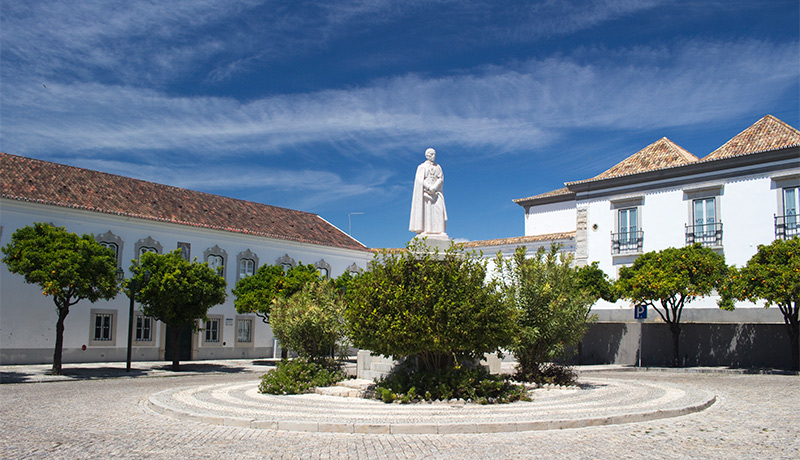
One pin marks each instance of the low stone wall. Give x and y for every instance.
(739, 345)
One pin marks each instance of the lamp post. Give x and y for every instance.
(349, 221)
(132, 289)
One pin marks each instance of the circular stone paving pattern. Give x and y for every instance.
(597, 402)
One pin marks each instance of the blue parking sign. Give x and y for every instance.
(640, 312)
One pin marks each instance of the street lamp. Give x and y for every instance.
(349, 222)
(132, 289)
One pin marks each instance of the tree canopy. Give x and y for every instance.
(256, 294)
(310, 322)
(66, 266)
(437, 307)
(175, 291)
(773, 275)
(667, 280)
(553, 307)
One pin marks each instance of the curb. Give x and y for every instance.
(429, 428)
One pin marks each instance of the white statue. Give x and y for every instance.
(428, 214)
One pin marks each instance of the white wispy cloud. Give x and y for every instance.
(500, 108)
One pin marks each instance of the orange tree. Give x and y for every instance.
(667, 280)
(176, 292)
(257, 293)
(772, 275)
(436, 308)
(66, 266)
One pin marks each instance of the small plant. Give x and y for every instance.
(300, 376)
(407, 384)
(548, 373)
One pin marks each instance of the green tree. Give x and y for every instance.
(671, 278)
(176, 292)
(419, 303)
(594, 282)
(772, 275)
(256, 294)
(66, 266)
(311, 321)
(554, 307)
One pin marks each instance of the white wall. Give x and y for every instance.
(550, 218)
(746, 208)
(27, 318)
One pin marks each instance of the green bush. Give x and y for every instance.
(553, 308)
(438, 308)
(407, 384)
(300, 376)
(310, 321)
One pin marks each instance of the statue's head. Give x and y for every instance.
(430, 154)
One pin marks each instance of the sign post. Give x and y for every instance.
(640, 314)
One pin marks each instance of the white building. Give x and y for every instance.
(134, 216)
(739, 196)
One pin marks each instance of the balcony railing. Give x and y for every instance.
(787, 226)
(706, 234)
(627, 242)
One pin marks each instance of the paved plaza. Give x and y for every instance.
(98, 411)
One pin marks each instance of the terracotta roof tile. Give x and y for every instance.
(521, 239)
(662, 153)
(27, 179)
(563, 191)
(768, 133)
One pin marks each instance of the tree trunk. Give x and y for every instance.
(175, 332)
(676, 333)
(62, 314)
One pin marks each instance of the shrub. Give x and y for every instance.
(553, 308)
(435, 307)
(408, 384)
(300, 376)
(310, 321)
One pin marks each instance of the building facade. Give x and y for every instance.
(133, 217)
(743, 194)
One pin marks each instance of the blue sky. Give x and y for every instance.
(328, 106)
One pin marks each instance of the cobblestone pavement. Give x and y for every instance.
(755, 416)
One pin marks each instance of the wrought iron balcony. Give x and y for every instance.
(627, 242)
(787, 226)
(706, 234)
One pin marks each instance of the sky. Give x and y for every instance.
(328, 106)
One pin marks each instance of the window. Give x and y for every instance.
(244, 330)
(705, 227)
(186, 250)
(212, 330)
(147, 245)
(102, 330)
(113, 242)
(629, 238)
(247, 267)
(102, 326)
(144, 327)
(216, 258)
(247, 263)
(285, 262)
(324, 269)
(788, 225)
(215, 262)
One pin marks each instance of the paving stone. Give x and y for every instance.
(754, 417)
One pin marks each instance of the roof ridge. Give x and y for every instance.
(768, 133)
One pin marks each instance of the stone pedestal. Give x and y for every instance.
(438, 241)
